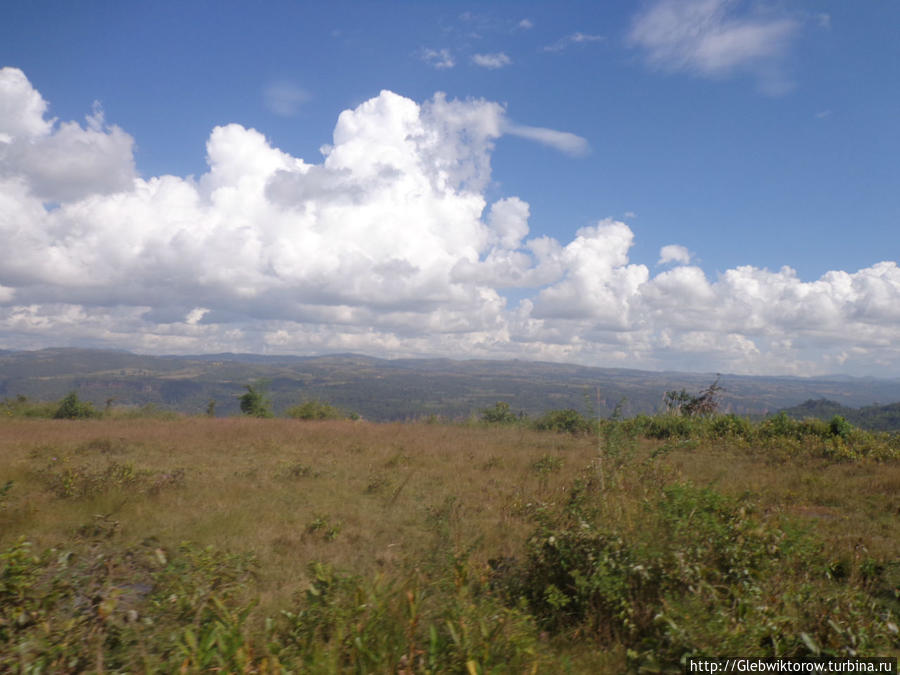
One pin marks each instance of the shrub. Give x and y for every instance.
(70, 408)
(697, 573)
(113, 610)
(840, 427)
(547, 464)
(780, 426)
(315, 410)
(254, 403)
(77, 482)
(665, 427)
(704, 404)
(345, 623)
(499, 414)
(22, 406)
(730, 426)
(568, 421)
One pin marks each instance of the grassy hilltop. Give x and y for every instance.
(276, 545)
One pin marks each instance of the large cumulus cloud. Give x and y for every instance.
(385, 245)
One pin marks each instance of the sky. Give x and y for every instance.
(703, 185)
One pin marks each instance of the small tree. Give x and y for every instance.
(499, 414)
(70, 408)
(254, 403)
(706, 404)
(676, 400)
(702, 405)
(838, 426)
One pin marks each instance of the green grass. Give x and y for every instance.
(274, 545)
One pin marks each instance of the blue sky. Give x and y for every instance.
(618, 184)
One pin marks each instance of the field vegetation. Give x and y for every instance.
(141, 541)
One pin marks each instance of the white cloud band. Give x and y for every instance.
(387, 246)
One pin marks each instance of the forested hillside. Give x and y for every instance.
(380, 389)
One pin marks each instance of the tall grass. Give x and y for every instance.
(267, 545)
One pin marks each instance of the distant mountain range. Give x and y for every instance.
(398, 389)
(873, 417)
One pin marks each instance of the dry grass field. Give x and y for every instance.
(273, 545)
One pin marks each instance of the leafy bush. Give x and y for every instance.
(315, 410)
(499, 413)
(781, 436)
(136, 610)
(254, 403)
(840, 427)
(77, 482)
(22, 406)
(665, 427)
(565, 421)
(697, 573)
(345, 623)
(547, 464)
(70, 408)
(729, 426)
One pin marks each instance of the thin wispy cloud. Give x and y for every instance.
(284, 98)
(566, 142)
(576, 38)
(438, 58)
(822, 114)
(491, 61)
(709, 38)
(525, 24)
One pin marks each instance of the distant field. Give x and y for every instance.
(412, 548)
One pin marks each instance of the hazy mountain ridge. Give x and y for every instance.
(873, 417)
(382, 389)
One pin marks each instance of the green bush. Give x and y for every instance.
(499, 413)
(346, 623)
(565, 421)
(22, 406)
(137, 610)
(840, 427)
(782, 426)
(729, 426)
(665, 427)
(315, 410)
(254, 403)
(70, 408)
(698, 573)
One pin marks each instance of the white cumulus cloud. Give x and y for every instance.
(21, 107)
(673, 253)
(387, 244)
(60, 162)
